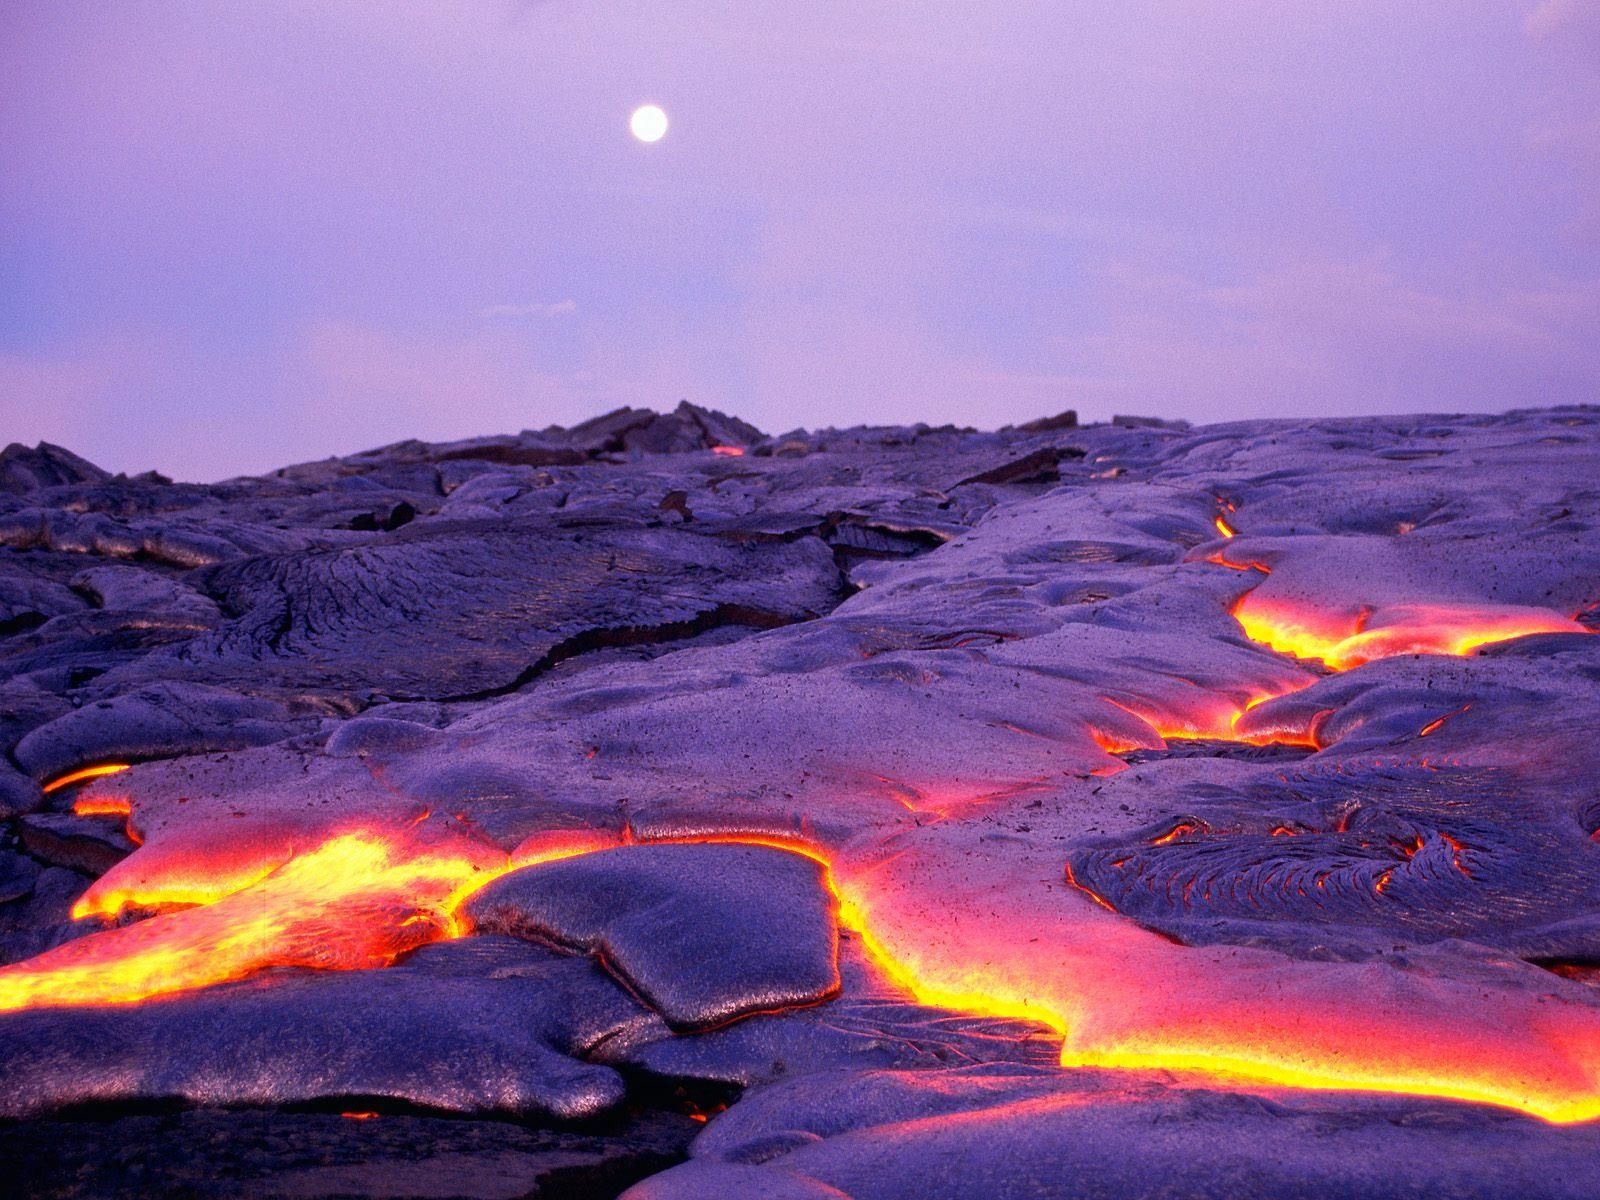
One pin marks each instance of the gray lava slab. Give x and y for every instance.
(461, 609)
(705, 934)
(484, 1025)
(163, 720)
(1052, 1135)
(219, 1154)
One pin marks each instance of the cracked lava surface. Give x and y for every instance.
(969, 806)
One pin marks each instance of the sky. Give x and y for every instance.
(238, 236)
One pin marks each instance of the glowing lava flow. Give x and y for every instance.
(357, 900)
(1123, 998)
(1343, 637)
(1220, 723)
(1343, 642)
(55, 785)
(1119, 996)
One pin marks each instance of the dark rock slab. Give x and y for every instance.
(18, 874)
(41, 919)
(222, 1154)
(123, 587)
(462, 609)
(705, 934)
(484, 1025)
(1062, 420)
(1054, 1135)
(89, 845)
(27, 601)
(45, 466)
(18, 793)
(163, 720)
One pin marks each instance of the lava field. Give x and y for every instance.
(664, 809)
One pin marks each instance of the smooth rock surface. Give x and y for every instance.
(704, 934)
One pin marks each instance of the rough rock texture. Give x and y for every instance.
(1127, 810)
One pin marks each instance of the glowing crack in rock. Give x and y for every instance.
(83, 774)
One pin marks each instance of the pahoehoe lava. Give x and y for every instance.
(920, 812)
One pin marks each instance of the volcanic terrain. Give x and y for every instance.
(661, 808)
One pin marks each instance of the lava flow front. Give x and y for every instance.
(1342, 642)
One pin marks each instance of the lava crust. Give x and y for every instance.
(1124, 810)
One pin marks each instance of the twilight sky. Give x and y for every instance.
(234, 236)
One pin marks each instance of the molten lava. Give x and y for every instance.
(1344, 640)
(1124, 998)
(1218, 722)
(359, 900)
(83, 773)
(1119, 996)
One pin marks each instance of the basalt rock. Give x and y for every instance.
(1056, 811)
(456, 610)
(511, 1039)
(1028, 1132)
(704, 934)
(45, 466)
(162, 720)
(226, 1154)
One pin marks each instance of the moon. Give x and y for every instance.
(648, 123)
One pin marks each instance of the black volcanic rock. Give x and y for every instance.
(511, 1039)
(45, 466)
(1153, 768)
(222, 1154)
(496, 603)
(162, 720)
(703, 933)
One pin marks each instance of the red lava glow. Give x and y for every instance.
(1220, 724)
(1224, 528)
(1433, 726)
(1123, 998)
(102, 806)
(1342, 641)
(80, 775)
(728, 451)
(356, 900)
(1119, 996)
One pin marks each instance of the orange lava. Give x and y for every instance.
(1343, 640)
(1123, 998)
(729, 451)
(1220, 723)
(102, 806)
(1119, 996)
(355, 900)
(83, 773)
(1433, 726)
(358, 900)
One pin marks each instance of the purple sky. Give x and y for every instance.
(234, 236)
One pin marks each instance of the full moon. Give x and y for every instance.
(648, 123)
